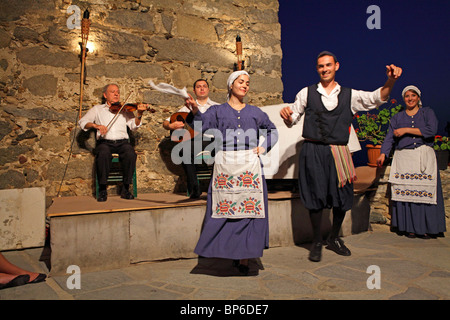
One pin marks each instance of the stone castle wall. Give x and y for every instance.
(172, 41)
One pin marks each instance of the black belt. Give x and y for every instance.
(113, 141)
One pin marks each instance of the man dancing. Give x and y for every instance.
(326, 170)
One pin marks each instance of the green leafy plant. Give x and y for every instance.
(441, 143)
(373, 125)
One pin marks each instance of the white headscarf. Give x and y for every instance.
(416, 90)
(233, 77)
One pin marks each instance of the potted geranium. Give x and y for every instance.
(441, 146)
(373, 127)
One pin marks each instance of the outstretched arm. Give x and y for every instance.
(393, 72)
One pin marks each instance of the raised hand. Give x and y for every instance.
(191, 104)
(393, 72)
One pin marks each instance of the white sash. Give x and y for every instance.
(237, 190)
(414, 175)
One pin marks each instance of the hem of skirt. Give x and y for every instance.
(406, 230)
(231, 257)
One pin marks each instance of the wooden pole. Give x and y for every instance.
(85, 25)
(239, 52)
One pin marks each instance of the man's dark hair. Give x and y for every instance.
(198, 81)
(327, 53)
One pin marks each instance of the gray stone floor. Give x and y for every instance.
(409, 269)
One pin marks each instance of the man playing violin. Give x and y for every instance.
(112, 137)
(201, 91)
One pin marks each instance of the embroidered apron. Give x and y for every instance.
(237, 185)
(414, 175)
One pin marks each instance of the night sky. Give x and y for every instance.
(414, 35)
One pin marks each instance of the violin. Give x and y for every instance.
(130, 107)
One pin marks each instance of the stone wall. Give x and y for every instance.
(172, 41)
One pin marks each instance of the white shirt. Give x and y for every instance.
(100, 115)
(360, 101)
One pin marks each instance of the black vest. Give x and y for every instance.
(328, 127)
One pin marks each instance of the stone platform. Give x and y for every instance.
(153, 227)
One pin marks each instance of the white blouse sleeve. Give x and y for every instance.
(298, 108)
(366, 100)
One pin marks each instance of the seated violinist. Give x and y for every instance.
(112, 137)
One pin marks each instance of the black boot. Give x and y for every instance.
(126, 194)
(196, 192)
(315, 253)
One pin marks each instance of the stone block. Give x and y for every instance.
(121, 43)
(93, 242)
(186, 50)
(265, 84)
(283, 229)
(24, 33)
(14, 10)
(41, 85)
(165, 233)
(185, 77)
(196, 28)
(12, 153)
(357, 219)
(5, 39)
(41, 56)
(131, 19)
(126, 70)
(22, 218)
(12, 179)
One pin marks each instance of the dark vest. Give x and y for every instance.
(328, 127)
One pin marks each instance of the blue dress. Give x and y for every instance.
(418, 218)
(235, 238)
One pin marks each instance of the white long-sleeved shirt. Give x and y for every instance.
(360, 101)
(100, 115)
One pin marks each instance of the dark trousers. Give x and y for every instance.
(190, 169)
(103, 157)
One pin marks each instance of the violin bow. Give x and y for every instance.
(118, 112)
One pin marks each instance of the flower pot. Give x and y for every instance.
(442, 159)
(373, 152)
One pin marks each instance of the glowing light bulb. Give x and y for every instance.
(90, 46)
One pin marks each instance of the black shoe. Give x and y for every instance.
(17, 281)
(243, 269)
(338, 246)
(126, 194)
(102, 196)
(195, 195)
(315, 253)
